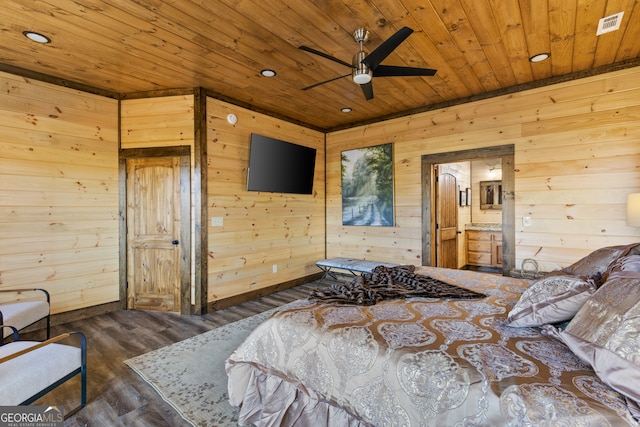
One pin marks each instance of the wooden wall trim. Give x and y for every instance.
(622, 65)
(183, 91)
(22, 72)
(158, 93)
(185, 234)
(268, 290)
(74, 316)
(122, 218)
(200, 179)
(508, 213)
(83, 313)
(132, 153)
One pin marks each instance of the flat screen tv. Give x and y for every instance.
(280, 167)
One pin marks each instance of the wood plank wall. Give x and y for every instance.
(58, 192)
(577, 156)
(259, 229)
(165, 121)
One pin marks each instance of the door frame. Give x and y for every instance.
(506, 152)
(184, 152)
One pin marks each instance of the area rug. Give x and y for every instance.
(190, 375)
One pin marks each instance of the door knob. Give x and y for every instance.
(175, 242)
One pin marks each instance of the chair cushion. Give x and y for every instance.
(23, 314)
(30, 373)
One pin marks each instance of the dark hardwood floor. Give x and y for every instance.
(116, 396)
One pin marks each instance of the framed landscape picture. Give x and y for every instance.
(367, 186)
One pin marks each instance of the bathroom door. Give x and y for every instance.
(446, 221)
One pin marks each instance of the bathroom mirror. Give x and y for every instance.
(490, 194)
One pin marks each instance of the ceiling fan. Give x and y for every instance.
(365, 66)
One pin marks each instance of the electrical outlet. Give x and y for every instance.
(275, 268)
(526, 221)
(217, 221)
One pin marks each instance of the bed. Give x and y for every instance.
(512, 357)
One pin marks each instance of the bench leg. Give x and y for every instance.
(327, 272)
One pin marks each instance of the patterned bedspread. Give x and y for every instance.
(416, 362)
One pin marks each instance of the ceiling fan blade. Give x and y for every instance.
(325, 55)
(381, 52)
(392, 70)
(326, 81)
(367, 90)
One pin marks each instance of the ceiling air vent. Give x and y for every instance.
(609, 23)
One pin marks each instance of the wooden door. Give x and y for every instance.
(446, 221)
(153, 234)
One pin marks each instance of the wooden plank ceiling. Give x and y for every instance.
(479, 47)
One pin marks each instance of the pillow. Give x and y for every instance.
(552, 299)
(628, 266)
(596, 262)
(606, 332)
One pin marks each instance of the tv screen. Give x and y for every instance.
(280, 167)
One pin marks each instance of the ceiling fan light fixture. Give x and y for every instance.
(361, 73)
(361, 78)
(540, 57)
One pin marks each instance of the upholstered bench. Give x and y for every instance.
(353, 266)
(31, 369)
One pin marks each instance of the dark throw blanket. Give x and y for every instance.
(385, 283)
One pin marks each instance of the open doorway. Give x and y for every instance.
(507, 206)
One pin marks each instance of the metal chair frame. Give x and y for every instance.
(82, 370)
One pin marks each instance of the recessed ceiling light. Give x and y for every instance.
(540, 57)
(345, 110)
(36, 37)
(268, 73)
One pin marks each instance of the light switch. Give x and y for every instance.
(217, 221)
(526, 221)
